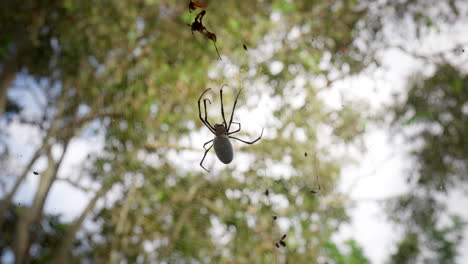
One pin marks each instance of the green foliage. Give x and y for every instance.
(445, 240)
(283, 6)
(408, 250)
(436, 107)
(353, 253)
(441, 240)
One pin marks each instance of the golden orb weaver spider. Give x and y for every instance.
(221, 143)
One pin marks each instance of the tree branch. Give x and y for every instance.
(9, 70)
(155, 145)
(91, 117)
(182, 219)
(32, 215)
(113, 256)
(7, 200)
(430, 57)
(67, 242)
(76, 185)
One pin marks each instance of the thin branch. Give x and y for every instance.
(40, 196)
(357, 180)
(7, 200)
(212, 206)
(24, 120)
(155, 145)
(3, 185)
(430, 57)
(379, 199)
(76, 185)
(91, 117)
(31, 89)
(23, 236)
(182, 219)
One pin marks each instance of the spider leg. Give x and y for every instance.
(236, 130)
(246, 142)
(207, 144)
(206, 115)
(222, 106)
(205, 122)
(204, 155)
(233, 109)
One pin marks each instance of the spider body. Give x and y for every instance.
(221, 143)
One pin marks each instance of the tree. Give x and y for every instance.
(122, 73)
(436, 105)
(430, 116)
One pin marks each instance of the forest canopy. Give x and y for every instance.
(100, 97)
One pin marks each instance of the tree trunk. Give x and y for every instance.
(51, 131)
(9, 196)
(67, 242)
(32, 215)
(10, 68)
(116, 243)
(44, 148)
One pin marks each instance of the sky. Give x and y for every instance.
(378, 175)
(380, 171)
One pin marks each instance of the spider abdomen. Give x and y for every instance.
(223, 149)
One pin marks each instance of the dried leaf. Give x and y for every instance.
(210, 35)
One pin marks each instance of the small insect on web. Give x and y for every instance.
(197, 25)
(221, 142)
(281, 241)
(319, 187)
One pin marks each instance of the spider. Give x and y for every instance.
(222, 144)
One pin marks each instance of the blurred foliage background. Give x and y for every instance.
(127, 74)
